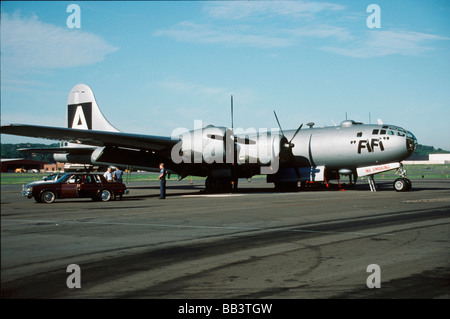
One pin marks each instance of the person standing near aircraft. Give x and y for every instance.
(108, 175)
(118, 173)
(162, 183)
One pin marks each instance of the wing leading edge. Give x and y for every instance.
(91, 137)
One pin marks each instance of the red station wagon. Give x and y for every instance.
(76, 185)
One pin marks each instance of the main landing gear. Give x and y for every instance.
(220, 185)
(402, 184)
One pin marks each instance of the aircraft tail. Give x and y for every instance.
(83, 112)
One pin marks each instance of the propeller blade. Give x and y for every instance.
(297, 173)
(276, 117)
(234, 174)
(246, 141)
(232, 117)
(290, 146)
(298, 130)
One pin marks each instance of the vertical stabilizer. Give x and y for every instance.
(83, 112)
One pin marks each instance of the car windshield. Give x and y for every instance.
(63, 178)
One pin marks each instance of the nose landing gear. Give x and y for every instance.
(402, 184)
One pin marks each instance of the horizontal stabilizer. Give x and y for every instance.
(53, 150)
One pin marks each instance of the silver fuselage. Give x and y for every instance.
(352, 145)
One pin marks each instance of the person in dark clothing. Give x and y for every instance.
(162, 183)
(117, 175)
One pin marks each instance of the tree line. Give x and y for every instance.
(11, 151)
(426, 150)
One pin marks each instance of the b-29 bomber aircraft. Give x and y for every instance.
(223, 155)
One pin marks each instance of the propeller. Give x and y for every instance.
(289, 145)
(239, 140)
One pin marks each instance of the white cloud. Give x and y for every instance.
(233, 24)
(382, 43)
(321, 31)
(257, 24)
(236, 10)
(204, 93)
(231, 36)
(184, 87)
(242, 35)
(28, 43)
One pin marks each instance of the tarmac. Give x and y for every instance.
(252, 244)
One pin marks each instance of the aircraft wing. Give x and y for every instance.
(91, 137)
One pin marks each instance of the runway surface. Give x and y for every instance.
(255, 243)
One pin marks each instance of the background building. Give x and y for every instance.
(11, 164)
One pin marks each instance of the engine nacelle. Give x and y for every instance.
(72, 158)
(209, 145)
(261, 148)
(214, 144)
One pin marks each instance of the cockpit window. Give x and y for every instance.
(359, 134)
(400, 133)
(382, 132)
(391, 133)
(375, 132)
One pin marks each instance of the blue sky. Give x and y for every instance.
(157, 66)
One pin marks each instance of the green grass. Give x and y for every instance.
(427, 171)
(20, 178)
(23, 178)
(422, 171)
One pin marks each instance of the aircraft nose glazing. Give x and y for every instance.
(411, 142)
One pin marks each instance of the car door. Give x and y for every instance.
(89, 186)
(69, 189)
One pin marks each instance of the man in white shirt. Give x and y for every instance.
(108, 175)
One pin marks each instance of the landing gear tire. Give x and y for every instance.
(402, 185)
(286, 187)
(218, 185)
(409, 184)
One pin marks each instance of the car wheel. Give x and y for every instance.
(48, 197)
(105, 195)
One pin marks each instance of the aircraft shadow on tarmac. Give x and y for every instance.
(200, 190)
